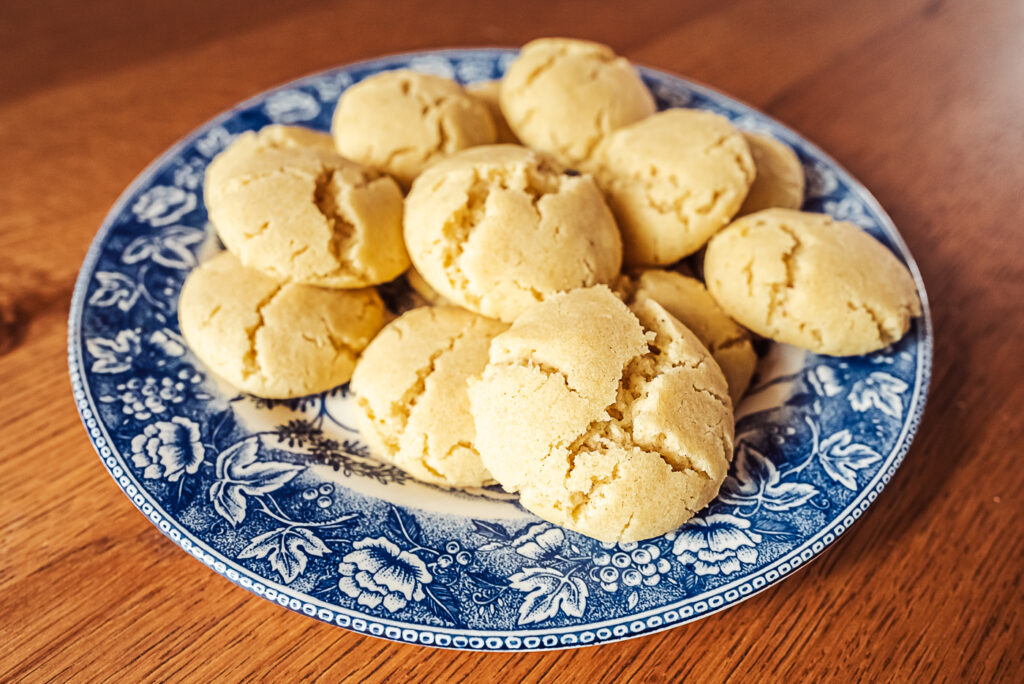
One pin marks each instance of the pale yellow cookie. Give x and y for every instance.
(488, 92)
(780, 177)
(688, 300)
(808, 280)
(286, 203)
(410, 387)
(561, 96)
(611, 421)
(497, 228)
(274, 338)
(672, 180)
(402, 121)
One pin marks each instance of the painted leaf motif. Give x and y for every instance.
(404, 525)
(757, 481)
(442, 603)
(286, 548)
(115, 289)
(881, 391)
(841, 459)
(549, 592)
(173, 247)
(240, 474)
(114, 355)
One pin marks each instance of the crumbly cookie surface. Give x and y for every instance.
(672, 180)
(287, 204)
(489, 93)
(688, 300)
(809, 280)
(402, 121)
(274, 338)
(609, 421)
(562, 96)
(780, 177)
(410, 387)
(497, 228)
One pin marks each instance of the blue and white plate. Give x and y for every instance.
(282, 498)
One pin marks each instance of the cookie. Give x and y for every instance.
(780, 177)
(497, 228)
(611, 421)
(488, 92)
(687, 299)
(288, 204)
(673, 180)
(274, 338)
(410, 388)
(402, 121)
(808, 280)
(561, 96)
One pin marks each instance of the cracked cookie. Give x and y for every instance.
(562, 96)
(672, 180)
(608, 420)
(497, 228)
(402, 121)
(488, 92)
(288, 204)
(410, 389)
(689, 301)
(780, 177)
(274, 338)
(811, 281)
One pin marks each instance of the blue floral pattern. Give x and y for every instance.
(283, 497)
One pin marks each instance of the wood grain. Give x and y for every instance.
(922, 99)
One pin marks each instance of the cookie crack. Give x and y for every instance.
(250, 361)
(460, 224)
(884, 335)
(777, 296)
(341, 229)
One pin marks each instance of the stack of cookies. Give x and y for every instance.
(603, 397)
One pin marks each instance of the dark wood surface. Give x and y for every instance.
(923, 100)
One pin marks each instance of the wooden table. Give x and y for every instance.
(923, 100)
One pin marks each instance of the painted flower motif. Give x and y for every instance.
(214, 141)
(539, 541)
(437, 66)
(189, 175)
(821, 180)
(291, 106)
(168, 449)
(377, 572)
(628, 564)
(824, 381)
(114, 355)
(163, 204)
(330, 87)
(171, 248)
(114, 289)
(716, 544)
(849, 209)
(880, 391)
(470, 71)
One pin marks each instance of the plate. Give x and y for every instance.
(282, 498)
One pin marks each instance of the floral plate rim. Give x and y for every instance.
(605, 631)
